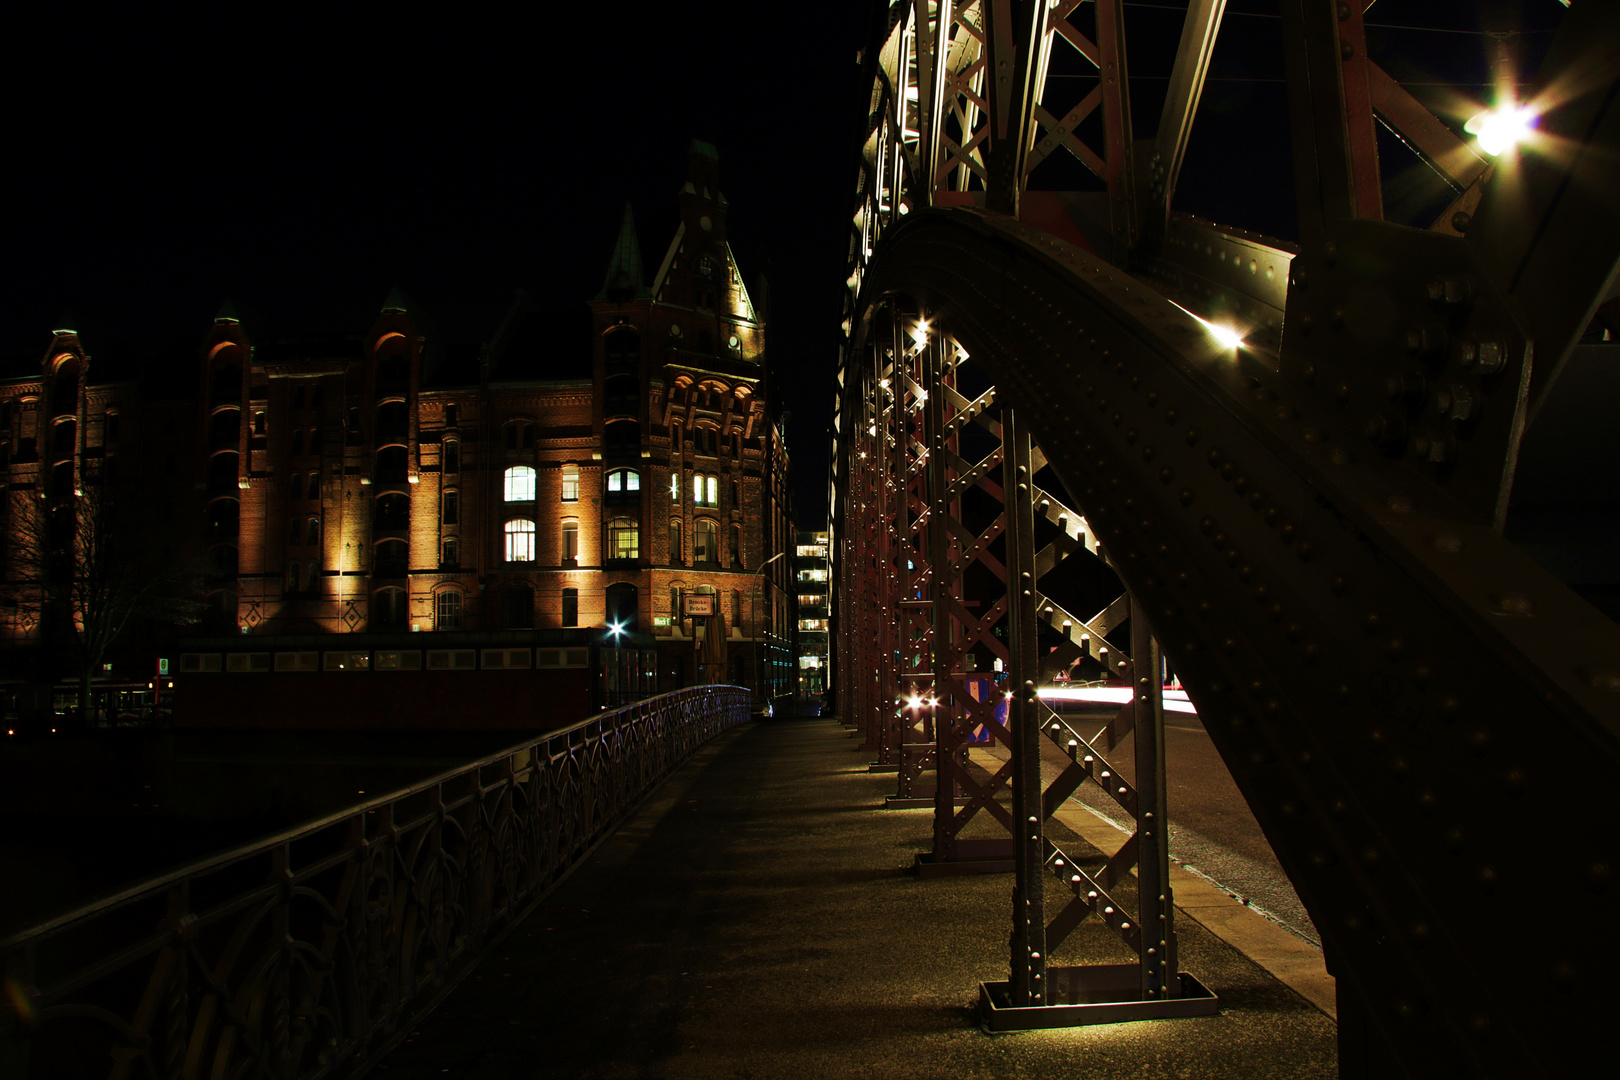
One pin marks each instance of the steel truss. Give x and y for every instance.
(1312, 523)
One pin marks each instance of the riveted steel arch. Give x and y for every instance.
(1342, 632)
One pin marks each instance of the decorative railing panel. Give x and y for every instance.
(307, 954)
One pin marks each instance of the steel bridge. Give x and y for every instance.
(1076, 428)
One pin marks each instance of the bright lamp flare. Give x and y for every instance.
(1499, 129)
(914, 701)
(1225, 336)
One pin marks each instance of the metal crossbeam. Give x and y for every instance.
(1313, 521)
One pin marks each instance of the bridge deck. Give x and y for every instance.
(757, 918)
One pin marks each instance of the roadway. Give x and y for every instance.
(1212, 832)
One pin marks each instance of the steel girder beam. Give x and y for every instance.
(1364, 650)
(973, 595)
(1316, 539)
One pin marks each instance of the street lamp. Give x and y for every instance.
(754, 590)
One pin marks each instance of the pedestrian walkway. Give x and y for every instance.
(758, 918)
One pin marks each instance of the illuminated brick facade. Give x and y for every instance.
(386, 484)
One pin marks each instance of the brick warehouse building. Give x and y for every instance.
(554, 503)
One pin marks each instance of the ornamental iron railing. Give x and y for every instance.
(310, 953)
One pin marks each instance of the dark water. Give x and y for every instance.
(88, 816)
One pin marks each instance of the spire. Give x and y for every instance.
(227, 312)
(67, 324)
(624, 277)
(395, 301)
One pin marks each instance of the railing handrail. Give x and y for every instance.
(246, 851)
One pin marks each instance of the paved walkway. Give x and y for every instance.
(757, 918)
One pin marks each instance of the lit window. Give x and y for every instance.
(675, 487)
(624, 540)
(570, 541)
(623, 480)
(570, 483)
(705, 490)
(520, 484)
(447, 615)
(520, 540)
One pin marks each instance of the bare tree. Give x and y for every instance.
(99, 561)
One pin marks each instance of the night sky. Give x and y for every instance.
(304, 163)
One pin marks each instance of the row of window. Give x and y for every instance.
(521, 659)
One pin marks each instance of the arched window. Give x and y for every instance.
(621, 438)
(675, 487)
(393, 463)
(452, 455)
(312, 534)
(295, 488)
(620, 481)
(705, 490)
(450, 553)
(623, 352)
(570, 607)
(452, 508)
(622, 604)
(64, 436)
(388, 609)
(706, 542)
(570, 483)
(624, 540)
(675, 553)
(520, 484)
(447, 610)
(570, 541)
(392, 559)
(393, 513)
(520, 435)
(736, 546)
(520, 540)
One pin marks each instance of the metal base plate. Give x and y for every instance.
(878, 766)
(1100, 994)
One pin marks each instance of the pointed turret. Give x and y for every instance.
(395, 302)
(624, 275)
(227, 312)
(67, 324)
